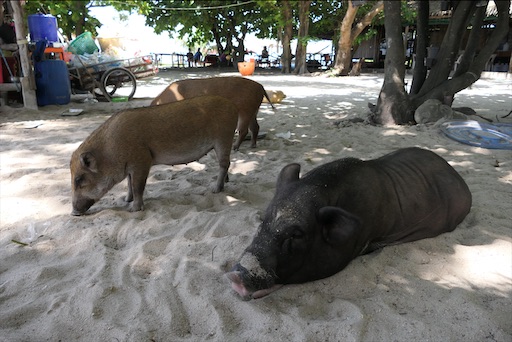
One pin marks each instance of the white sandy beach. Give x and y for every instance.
(157, 275)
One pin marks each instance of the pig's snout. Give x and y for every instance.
(238, 286)
(249, 286)
(81, 205)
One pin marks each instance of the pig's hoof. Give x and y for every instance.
(77, 213)
(133, 209)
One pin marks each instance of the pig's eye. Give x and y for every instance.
(293, 243)
(79, 181)
(298, 234)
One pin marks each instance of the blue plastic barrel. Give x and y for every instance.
(42, 27)
(52, 82)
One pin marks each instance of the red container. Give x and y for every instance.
(5, 76)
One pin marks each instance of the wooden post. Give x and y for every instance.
(27, 81)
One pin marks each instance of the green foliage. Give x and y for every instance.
(371, 30)
(225, 22)
(325, 17)
(73, 15)
(408, 14)
(366, 35)
(202, 21)
(363, 9)
(271, 23)
(139, 6)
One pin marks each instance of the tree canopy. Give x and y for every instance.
(72, 15)
(226, 23)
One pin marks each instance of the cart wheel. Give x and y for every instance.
(120, 81)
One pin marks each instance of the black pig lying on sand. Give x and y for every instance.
(130, 142)
(315, 225)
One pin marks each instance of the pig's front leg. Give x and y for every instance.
(255, 129)
(129, 196)
(242, 133)
(224, 162)
(137, 181)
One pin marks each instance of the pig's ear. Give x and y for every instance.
(338, 225)
(289, 174)
(88, 161)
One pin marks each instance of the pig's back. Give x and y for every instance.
(198, 112)
(239, 90)
(178, 132)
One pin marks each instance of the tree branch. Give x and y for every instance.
(366, 20)
(348, 34)
(500, 31)
(456, 84)
(449, 48)
(420, 69)
(473, 40)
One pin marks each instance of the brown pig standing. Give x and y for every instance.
(131, 141)
(246, 94)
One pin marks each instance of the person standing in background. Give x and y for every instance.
(197, 56)
(190, 57)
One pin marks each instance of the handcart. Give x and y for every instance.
(113, 78)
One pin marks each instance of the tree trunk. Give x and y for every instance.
(394, 106)
(302, 39)
(348, 34)
(472, 44)
(240, 48)
(216, 37)
(239, 54)
(436, 87)
(344, 54)
(420, 68)
(449, 48)
(393, 103)
(286, 57)
(467, 56)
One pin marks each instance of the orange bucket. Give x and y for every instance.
(246, 68)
